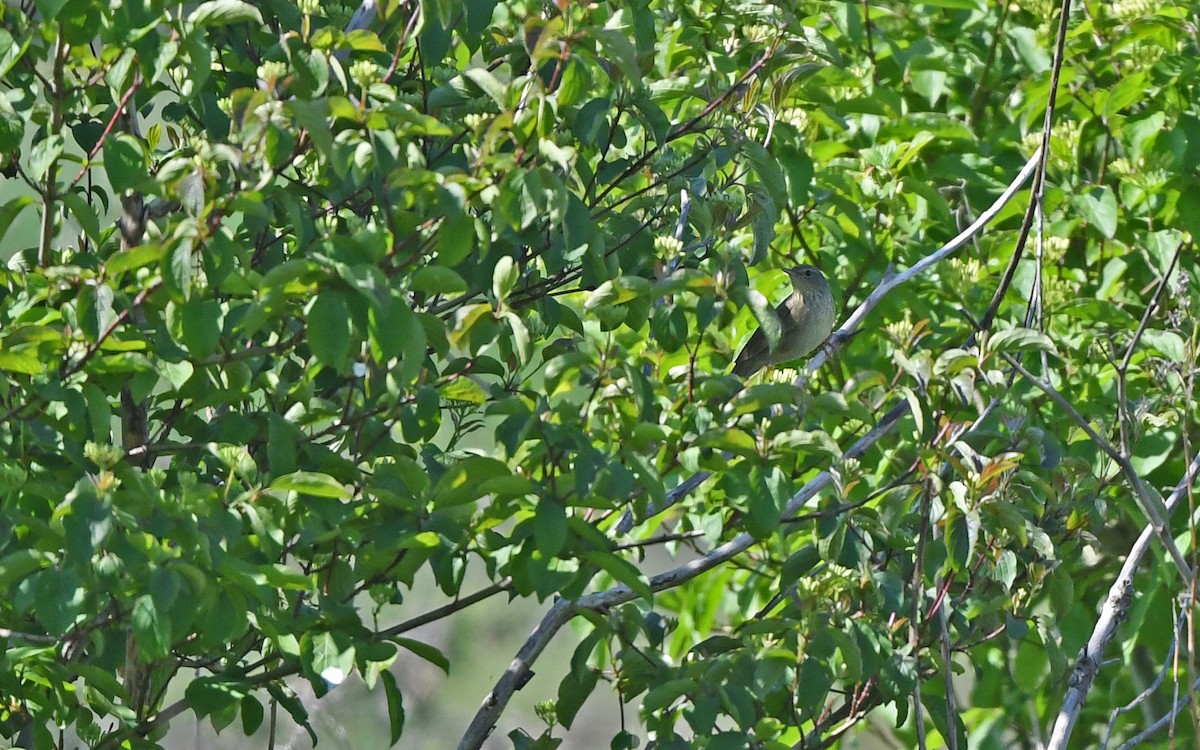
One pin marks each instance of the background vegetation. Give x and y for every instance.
(311, 308)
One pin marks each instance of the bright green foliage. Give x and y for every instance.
(318, 313)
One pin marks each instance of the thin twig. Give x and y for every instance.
(562, 610)
(1114, 611)
(1043, 155)
(49, 190)
(448, 609)
(408, 29)
(1162, 720)
(87, 163)
(44, 640)
(1150, 505)
(70, 368)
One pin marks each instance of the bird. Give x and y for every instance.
(806, 319)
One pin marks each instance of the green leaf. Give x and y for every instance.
(223, 13)
(435, 35)
(622, 571)
(462, 482)
(1188, 208)
(252, 714)
(133, 258)
(520, 336)
(328, 658)
(200, 320)
(488, 84)
(615, 43)
(125, 162)
(395, 705)
(962, 533)
(60, 596)
(427, 652)
(1098, 311)
(768, 170)
(1167, 343)
(455, 238)
(1061, 587)
(1128, 90)
(729, 439)
(207, 695)
(283, 577)
(24, 363)
(10, 53)
(530, 196)
(1153, 450)
(504, 277)
(84, 214)
(329, 328)
(573, 691)
(12, 126)
(43, 153)
(152, 629)
(812, 685)
(437, 280)
(550, 527)
(10, 210)
(1021, 340)
(764, 313)
(665, 694)
(311, 483)
(1030, 49)
(1099, 207)
(764, 214)
(50, 8)
(799, 563)
(19, 564)
(930, 83)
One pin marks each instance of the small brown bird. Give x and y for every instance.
(805, 321)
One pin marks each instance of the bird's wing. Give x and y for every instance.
(752, 356)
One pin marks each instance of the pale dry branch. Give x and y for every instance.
(859, 316)
(1111, 615)
(1163, 720)
(562, 610)
(856, 319)
(1141, 697)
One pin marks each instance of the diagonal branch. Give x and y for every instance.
(1035, 205)
(1151, 505)
(860, 314)
(562, 610)
(1115, 610)
(856, 319)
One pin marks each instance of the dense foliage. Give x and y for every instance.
(294, 319)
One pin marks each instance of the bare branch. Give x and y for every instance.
(1153, 686)
(17, 635)
(856, 319)
(448, 609)
(1115, 609)
(1151, 504)
(562, 611)
(860, 314)
(1035, 205)
(1162, 720)
(493, 705)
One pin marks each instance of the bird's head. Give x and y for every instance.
(806, 276)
